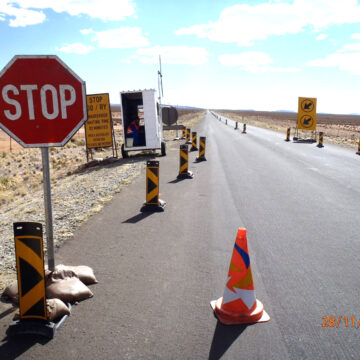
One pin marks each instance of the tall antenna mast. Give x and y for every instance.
(160, 84)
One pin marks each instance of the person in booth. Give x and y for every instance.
(133, 130)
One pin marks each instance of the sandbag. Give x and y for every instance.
(61, 272)
(84, 273)
(69, 289)
(56, 309)
(11, 293)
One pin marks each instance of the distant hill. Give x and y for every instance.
(187, 107)
(117, 107)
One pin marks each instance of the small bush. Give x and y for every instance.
(79, 142)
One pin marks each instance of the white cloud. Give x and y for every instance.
(252, 61)
(28, 12)
(344, 61)
(123, 37)
(244, 24)
(350, 47)
(19, 16)
(183, 55)
(76, 48)
(355, 36)
(322, 37)
(86, 31)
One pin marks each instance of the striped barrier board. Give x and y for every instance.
(183, 133)
(31, 284)
(321, 140)
(287, 134)
(184, 172)
(188, 141)
(30, 270)
(153, 203)
(202, 144)
(194, 142)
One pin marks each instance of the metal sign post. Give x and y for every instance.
(48, 208)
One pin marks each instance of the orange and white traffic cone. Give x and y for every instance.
(239, 304)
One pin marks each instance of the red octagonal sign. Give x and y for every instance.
(42, 101)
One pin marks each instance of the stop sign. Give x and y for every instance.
(42, 101)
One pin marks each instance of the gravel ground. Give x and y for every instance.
(78, 192)
(75, 199)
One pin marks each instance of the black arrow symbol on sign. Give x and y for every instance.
(307, 121)
(307, 106)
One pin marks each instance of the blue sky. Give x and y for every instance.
(259, 55)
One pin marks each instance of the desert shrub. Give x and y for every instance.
(78, 142)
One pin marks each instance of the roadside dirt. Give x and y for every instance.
(342, 130)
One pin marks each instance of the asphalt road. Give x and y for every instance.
(158, 272)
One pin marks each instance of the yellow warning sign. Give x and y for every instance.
(307, 114)
(30, 270)
(98, 127)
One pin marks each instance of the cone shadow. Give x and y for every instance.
(224, 337)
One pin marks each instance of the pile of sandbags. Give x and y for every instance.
(66, 284)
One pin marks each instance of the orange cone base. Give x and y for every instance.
(233, 318)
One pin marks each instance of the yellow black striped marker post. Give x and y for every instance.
(236, 126)
(153, 203)
(30, 270)
(183, 133)
(358, 152)
(244, 129)
(31, 282)
(287, 134)
(194, 141)
(202, 144)
(321, 140)
(184, 172)
(188, 140)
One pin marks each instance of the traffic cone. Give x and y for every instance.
(239, 304)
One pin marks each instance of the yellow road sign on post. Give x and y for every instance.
(307, 114)
(98, 127)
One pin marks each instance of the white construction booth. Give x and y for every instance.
(141, 104)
